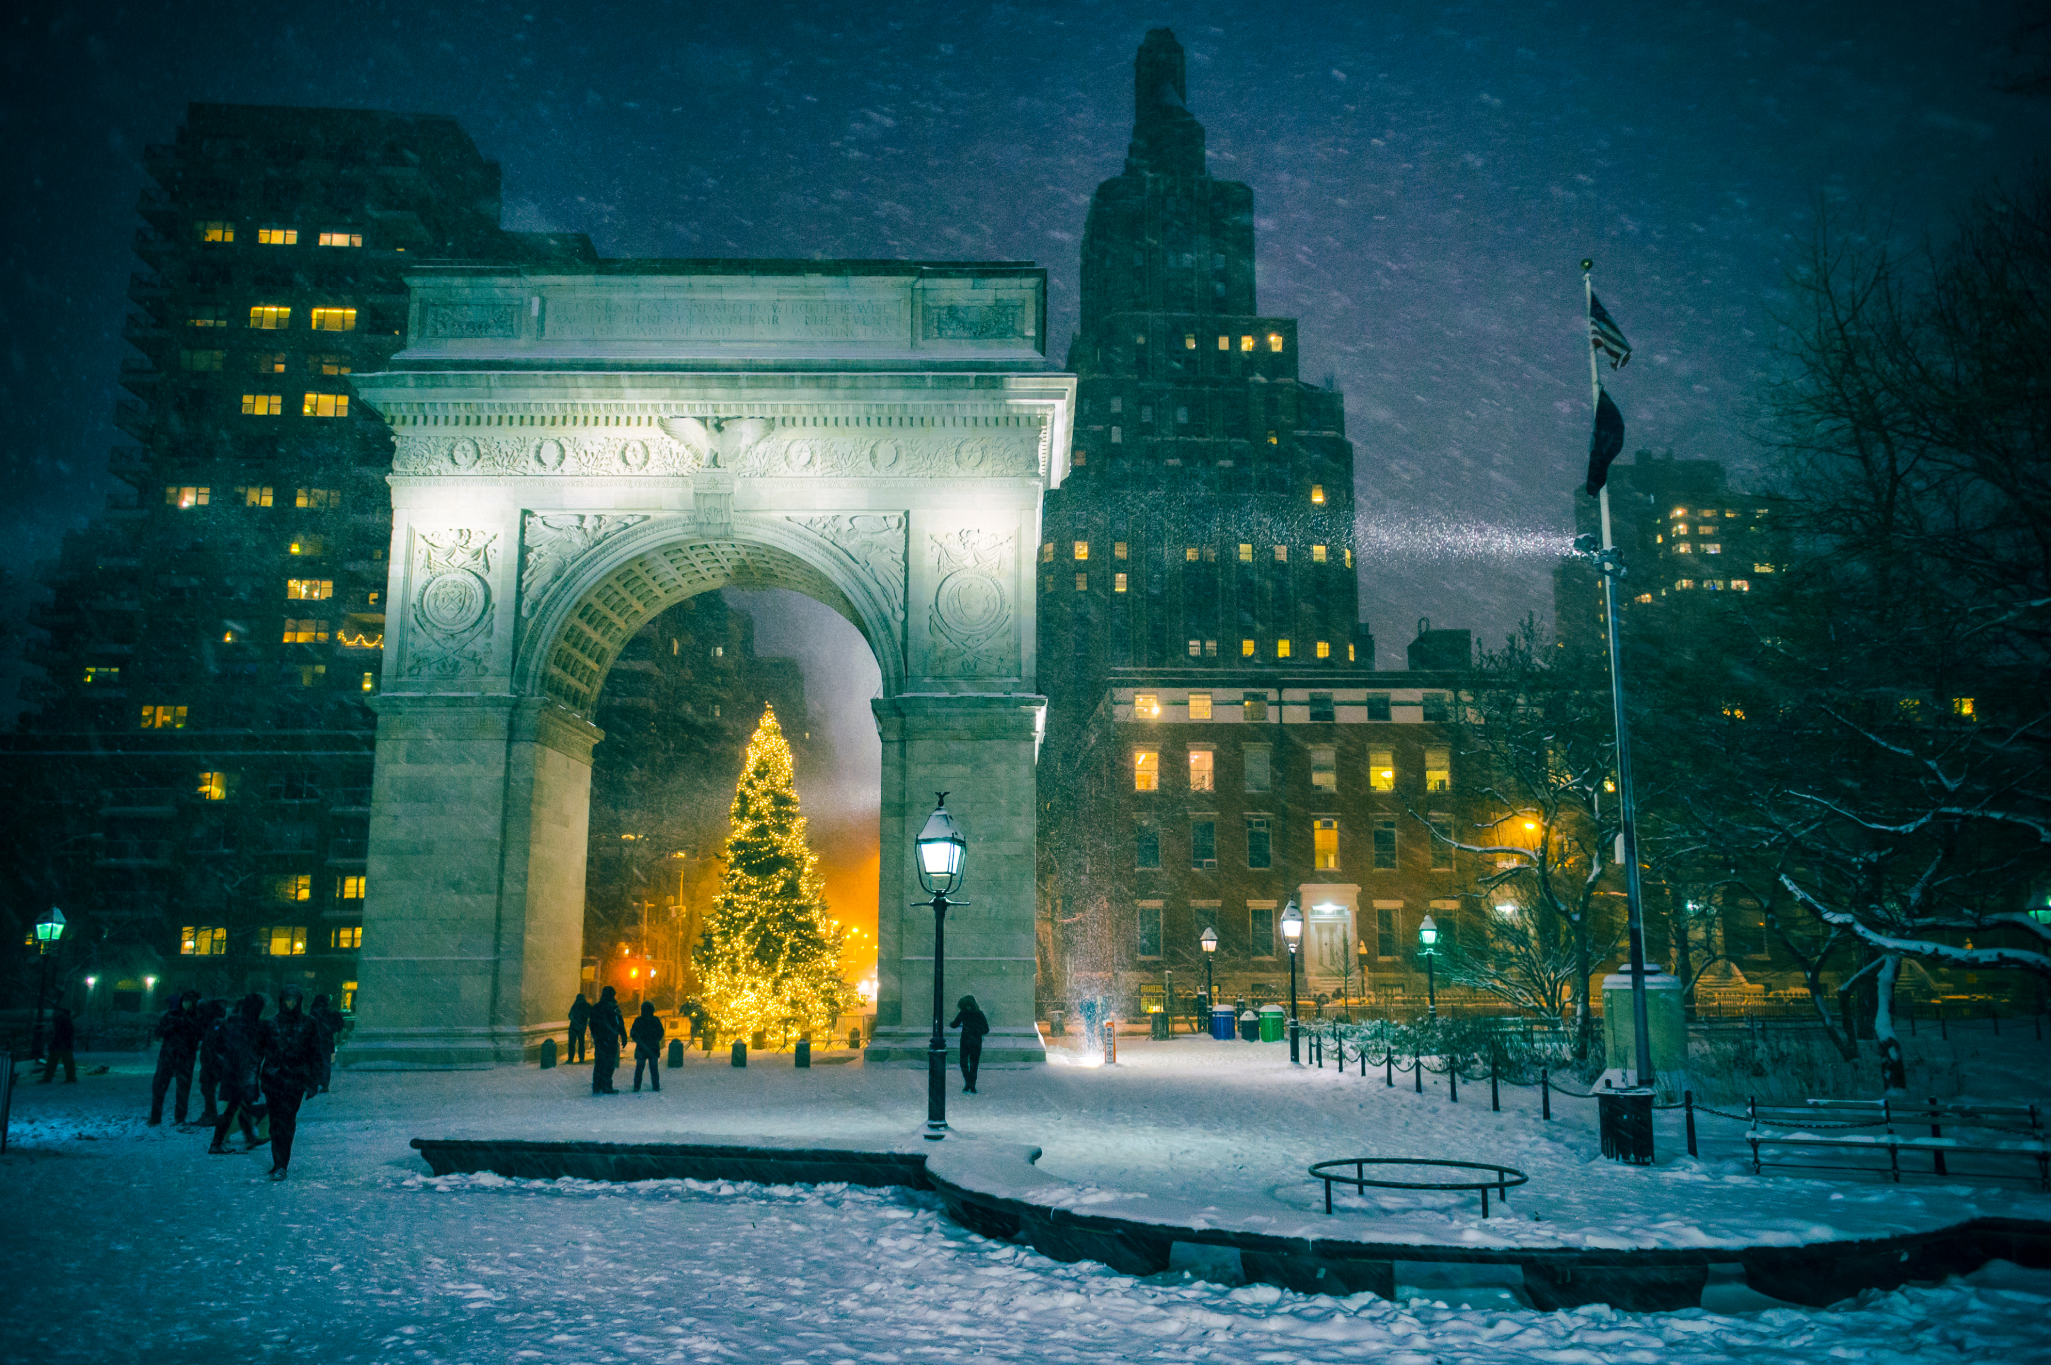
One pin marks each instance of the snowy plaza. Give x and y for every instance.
(132, 1241)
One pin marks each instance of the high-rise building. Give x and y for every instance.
(1207, 519)
(194, 773)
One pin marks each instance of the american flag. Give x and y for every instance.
(1605, 336)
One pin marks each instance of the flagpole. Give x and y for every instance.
(1611, 568)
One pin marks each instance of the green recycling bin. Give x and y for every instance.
(1273, 1023)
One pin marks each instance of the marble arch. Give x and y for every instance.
(576, 449)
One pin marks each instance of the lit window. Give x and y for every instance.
(346, 936)
(1385, 845)
(163, 718)
(312, 545)
(1741, 585)
(1349, 558)
(100, 673)
(1684, 548)
(1224, 343)
(1762, 568)
(1325, 845)
(370, 680)
(270, 362)
(1201, 770)
(1275, 342)
(286, 940)
(211, 317)
(270, 317)
(1679, 512)
(1349, 654)
(184, 496)
(1317, 554)
(1317, 494)
(1273, 439)
(305, 675)
(341, 239)
(277, 236)
(1324, 769)
(293, 888)
(213, 787)
(349, 887)
(1381, 769)
(325, 405)
(1196, 648)
(327, 362)
(305, 632)
(1246, 649)
(1118, 582)
(215, 230)
(263, 404)
(1082, 582)
(1210, 649)
(1146, 706)
(1245, 553)
(255, 495)
(1246, 343)
(1324, 649)
(202, 940)
(1047, 553)
(334, 319)
(1082, 549)
(1438, 768)
(1713, 548)
(1684, 583)
(1189, 341)
(1199, 705)
(1118, 550)
(1281, 649)
(309, 589)
(1146, 770)
(1281, 554)
(203, 362)
(319, 497)
(1189, 554)
(347, 1002)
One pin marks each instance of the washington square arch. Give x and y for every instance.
(579, 448)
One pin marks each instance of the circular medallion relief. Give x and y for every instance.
(970, 456)
(454, 601)
(634, 455)
(885, 456)
(549, 455)
(971, 602)
(463, 454)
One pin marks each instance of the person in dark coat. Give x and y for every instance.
(63, 1039)
(210, 1014)
(608, 1033)
(236, 1045)
(648, 1033)
(179, 1030)
(973, 1025)
(291, 1044)
(329, 1021)
(580, 1020)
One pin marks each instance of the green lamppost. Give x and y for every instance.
(943, 859)
(1209, 940)
(1292, 931)
(49, 929)
(1427, 948)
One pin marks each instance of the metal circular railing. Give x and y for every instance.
(1506, 1177)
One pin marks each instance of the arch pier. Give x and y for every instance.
(578, 448)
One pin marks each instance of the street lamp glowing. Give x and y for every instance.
(1209, 939)
(1428, 935)
(943, 852)
(1292, 930)
(49, 929)
(1292, 925)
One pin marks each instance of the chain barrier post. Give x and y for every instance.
(1688, 1103)
(1453, 1078)
(1418, 1067)
(1389, 1069)
(1495, 1098)
(1545, 1093)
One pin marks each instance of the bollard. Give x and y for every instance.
(1417, 1065)
(1363, 1062)
(1545, 1094)
(1453, 1078)
(1495, 1099)
(804, 1054)
(1688, 1104)
(1389, 1069)
(854, 1039)
(676, 1053)
(548, 1054)
(740, 1053)
(1110, 1042)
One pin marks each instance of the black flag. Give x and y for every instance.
(1607, 442)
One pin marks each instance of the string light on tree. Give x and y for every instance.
(773, 962)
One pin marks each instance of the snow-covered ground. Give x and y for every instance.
(123, 1239)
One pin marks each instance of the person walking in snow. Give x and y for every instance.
(972, 1022)
(291, 1044)
(648, 1033)
(580, 1020)
(179, 1030)
(63, 1041)
(210, 1014)
(235, 1043)
(608, 1034)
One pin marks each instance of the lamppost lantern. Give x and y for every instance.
(941, 856)
(1209, 939)
(1292, 931)
(1428, 936)
(49, 929)
(942, 852)
(1427, 948)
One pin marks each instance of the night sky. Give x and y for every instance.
(1427, 176)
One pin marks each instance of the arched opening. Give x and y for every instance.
(682, 697)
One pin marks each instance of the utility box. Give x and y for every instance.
(1666, 1022)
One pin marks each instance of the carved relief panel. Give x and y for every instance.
(968, 602)
(450, 605)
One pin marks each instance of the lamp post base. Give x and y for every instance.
(936, 1094)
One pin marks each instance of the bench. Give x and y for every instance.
(1991, 1130)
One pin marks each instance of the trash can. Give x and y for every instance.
(1221, 1022)
(1273, 1023)
(1057, 1023)
(1250, 1026)
(1624, 1122)
(1159, 1025)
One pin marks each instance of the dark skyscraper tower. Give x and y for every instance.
(1208, 517)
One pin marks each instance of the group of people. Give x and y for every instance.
(258, 1070)
(610, 1033)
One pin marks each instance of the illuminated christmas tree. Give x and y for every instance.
(773, 961)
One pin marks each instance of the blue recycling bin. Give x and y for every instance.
(1222, 1022)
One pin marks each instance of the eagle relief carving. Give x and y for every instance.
(553, 542)
(451, 608)
(970, 622)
